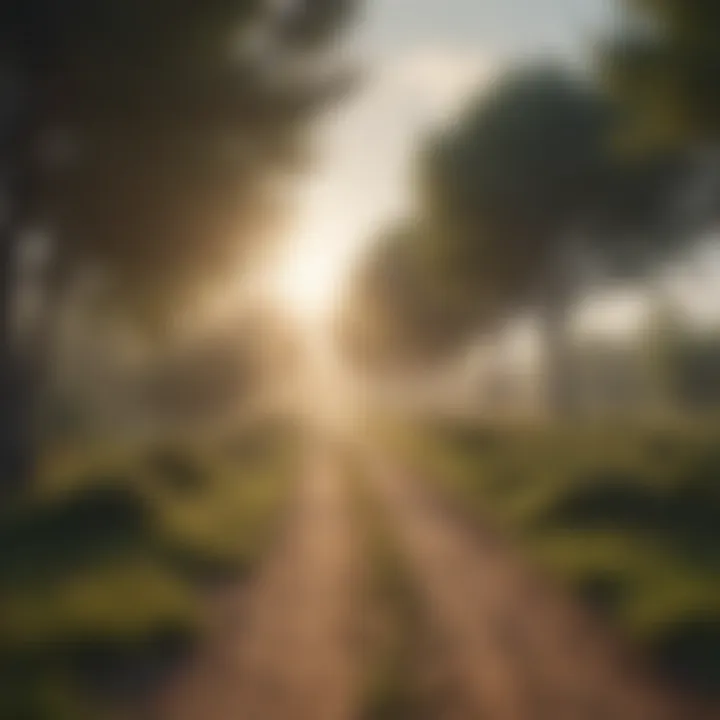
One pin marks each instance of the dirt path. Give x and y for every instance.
(505, 647)
(282, 649)
(497, 643)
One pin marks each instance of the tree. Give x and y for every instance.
(665, 66)
(148, 140)
(524, 185)
(683, 360)
(396, 312)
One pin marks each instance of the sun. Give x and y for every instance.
(308, 283)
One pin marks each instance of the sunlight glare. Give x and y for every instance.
(309, 283)
(310, 275)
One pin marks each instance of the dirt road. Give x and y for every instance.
(499, 643)
(506, 645)
(282, 648)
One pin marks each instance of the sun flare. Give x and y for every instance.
(309, 282)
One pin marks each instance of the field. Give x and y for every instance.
(627, 517)
(105, 565)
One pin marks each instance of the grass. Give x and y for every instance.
(104, 564)
(221, 524)
(629, 517)
(390, 689)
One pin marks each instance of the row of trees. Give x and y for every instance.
(545, 174)
(149, 142)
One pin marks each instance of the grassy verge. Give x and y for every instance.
(628, 517)
(395, 626)
(103, 567)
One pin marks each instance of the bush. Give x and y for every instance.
(103, 567)
(627, 516)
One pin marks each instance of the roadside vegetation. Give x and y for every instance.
(104, 566)
(395, 629)
(628, 517)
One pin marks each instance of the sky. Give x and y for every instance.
(503, 28)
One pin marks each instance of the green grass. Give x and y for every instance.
(104, 564)
(221, 524)
(628, 517)
(117, 602)
(390, 689)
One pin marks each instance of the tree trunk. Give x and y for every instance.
(16, 446)
(18, 166)
(558, 365)
(555, 307)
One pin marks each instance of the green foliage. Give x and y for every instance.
(103, 567)
(528, 178)
(685, 361)
(399, 310)
(177, 118)
(513, 195)
(629, 517)
(391, 687)
(505, 183)
(221, 524)
(665, 67)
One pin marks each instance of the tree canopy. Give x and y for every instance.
(169, 127)
(151, 141)
(398, 311)
(513, 196)
(515, 172)
(529, 170)
(665, 66)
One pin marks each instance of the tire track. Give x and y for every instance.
(509, 647)
(283, 648)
